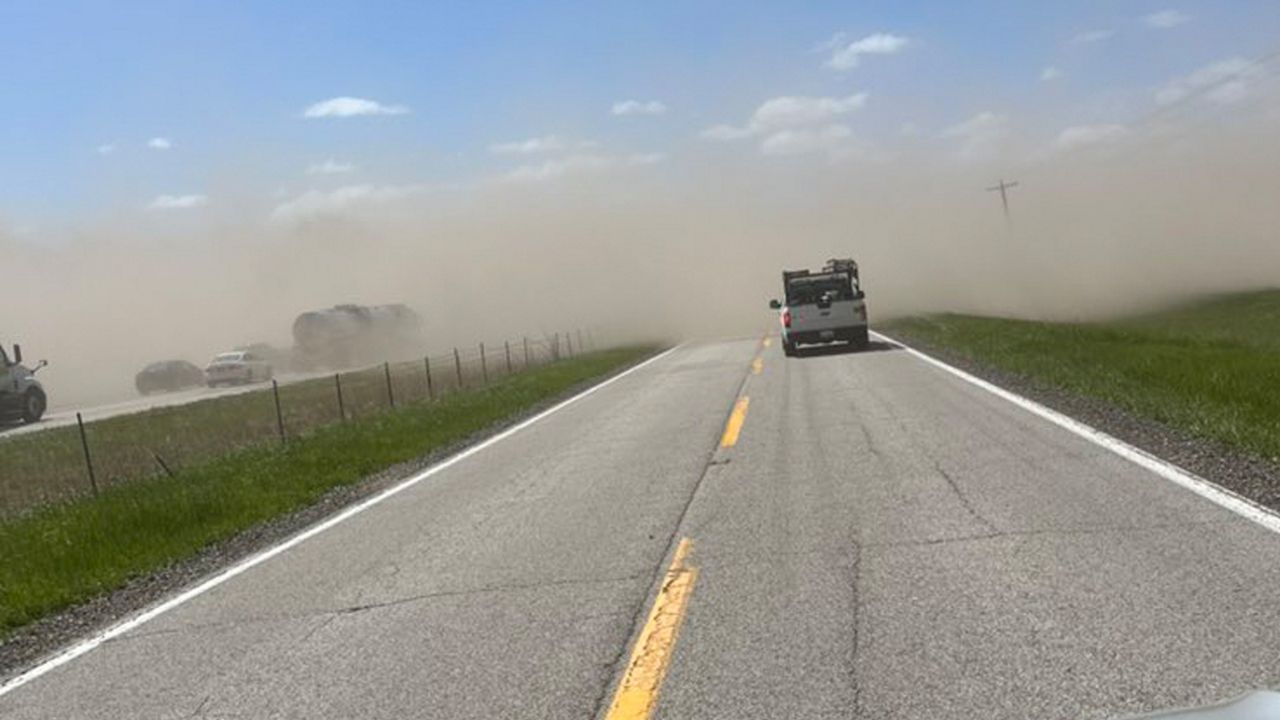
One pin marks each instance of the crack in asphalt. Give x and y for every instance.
(319, 626)
(871, 443)
(200, 709)
(513, 587)
(964, 499)
(1064, 532)
(854, 573)
(333, 613)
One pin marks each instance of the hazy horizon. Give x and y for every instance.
(634, 197)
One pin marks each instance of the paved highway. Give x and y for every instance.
(727, 533)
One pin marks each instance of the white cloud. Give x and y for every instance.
(794, 124)
(1222, 82)
(1166, 19)
(797, 141)
(831, 43)
(335, 202)
(979, 133)
(105, 149)
(546, 143)
(638, 107)
(159, 143)
(797, 110)
(330, 167)
(178, 202)
(1092, 36)
(351, 107)
(1079, 136)
(788, 111)
(1050, 74)
(572, 164)
(848, 56)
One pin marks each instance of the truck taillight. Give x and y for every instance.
(786, 318)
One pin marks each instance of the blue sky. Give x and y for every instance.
(226, 85)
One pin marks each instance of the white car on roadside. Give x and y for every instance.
(239, 367)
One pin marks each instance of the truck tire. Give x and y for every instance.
(33, 406)
(788, 349)
(861, 340)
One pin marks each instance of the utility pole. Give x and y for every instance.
(1004, 187)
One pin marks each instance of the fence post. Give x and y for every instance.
(88, 459)
(526, 352)
(163, 465)
(506, 345)
(579, 331)
(484, 368)
(568, 345)
(457, 366)
(426, 363)
(391, 396)
(555, 347)
(342, 409)
(275, 392)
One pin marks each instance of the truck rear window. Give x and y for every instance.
(813, 289)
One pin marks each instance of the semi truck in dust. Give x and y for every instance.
(345, 336)
(22, 397)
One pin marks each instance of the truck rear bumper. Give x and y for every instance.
(852, 333)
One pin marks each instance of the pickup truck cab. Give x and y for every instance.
(824, 307)
(21, 395)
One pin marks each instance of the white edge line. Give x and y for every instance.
(1214, 493)
(85, 646)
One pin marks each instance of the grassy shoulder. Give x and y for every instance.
(1210, 368)
(64, 554)
(48, 466)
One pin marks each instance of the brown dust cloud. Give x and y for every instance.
(690, 247)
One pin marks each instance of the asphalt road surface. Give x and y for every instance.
(841, 535)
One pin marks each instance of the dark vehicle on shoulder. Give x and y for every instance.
(168, 376)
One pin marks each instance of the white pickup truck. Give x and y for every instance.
(822, 307)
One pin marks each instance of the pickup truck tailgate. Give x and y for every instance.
(813, 318)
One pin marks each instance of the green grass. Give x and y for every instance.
(63, 554)
(1210, 367)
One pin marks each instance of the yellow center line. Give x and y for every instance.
(637, 693)
(768, 341)
(757, 365)
(734, 426)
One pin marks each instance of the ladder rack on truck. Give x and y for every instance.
(839, 265)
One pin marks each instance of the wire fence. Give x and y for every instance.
(66, 462)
